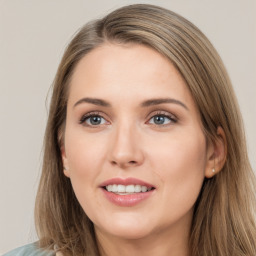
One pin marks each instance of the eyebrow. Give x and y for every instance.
(93, 101)
(153, 102)
(147, 103)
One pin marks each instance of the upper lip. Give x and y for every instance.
(126, 181)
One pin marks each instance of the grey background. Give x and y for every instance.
(33, 35)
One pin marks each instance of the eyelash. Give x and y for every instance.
(163, 114)
(89, 115)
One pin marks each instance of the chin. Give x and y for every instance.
(129, 234)
(127, 228)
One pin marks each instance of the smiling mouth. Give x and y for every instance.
(127, 189)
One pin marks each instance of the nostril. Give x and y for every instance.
(114, 162)
(129, 163)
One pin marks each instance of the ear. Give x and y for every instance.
(216, 154)
(64, 161)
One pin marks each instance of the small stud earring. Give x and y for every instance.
(213, 170)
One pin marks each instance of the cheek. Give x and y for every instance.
(184, 152)
(180, 165)
(84, 160)
(84, 156)
(84, 153)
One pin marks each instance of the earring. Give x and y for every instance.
(213, 170)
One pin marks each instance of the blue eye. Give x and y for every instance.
(92, 120)
(161, 120)
(95, 120)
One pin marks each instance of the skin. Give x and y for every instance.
(173, 156)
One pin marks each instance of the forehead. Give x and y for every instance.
(127, 70)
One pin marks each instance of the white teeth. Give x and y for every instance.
(126, 189)
(129, 189)
(143, 189)
(137, 188)
(114, 188)
(120, 188)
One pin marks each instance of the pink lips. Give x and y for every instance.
(129, 199)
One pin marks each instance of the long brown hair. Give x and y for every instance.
(223, 222)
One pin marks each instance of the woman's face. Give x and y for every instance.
(134, 147)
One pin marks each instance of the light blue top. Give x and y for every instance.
(29, 250)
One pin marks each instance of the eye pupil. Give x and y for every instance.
(159, 119)
(95, 120)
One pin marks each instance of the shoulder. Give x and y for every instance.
(29, 250)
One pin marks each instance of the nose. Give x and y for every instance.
(126, 150)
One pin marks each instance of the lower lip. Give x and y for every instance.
(127, 200)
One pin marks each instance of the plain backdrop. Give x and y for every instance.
(33, 35)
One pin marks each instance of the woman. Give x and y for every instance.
(144, 148)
